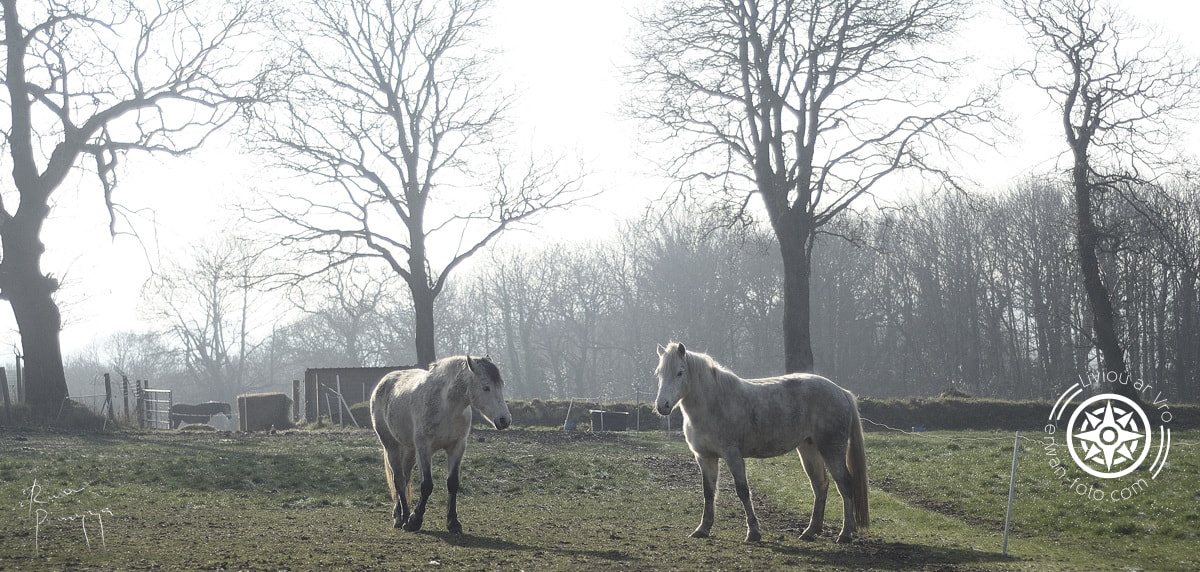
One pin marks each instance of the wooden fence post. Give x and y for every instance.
(139, 403)
(7, 406)
(108, 400)
(125, 396)
(20, 380)
(295, 400)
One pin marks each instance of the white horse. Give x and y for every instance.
(727, 417)
(418, 412)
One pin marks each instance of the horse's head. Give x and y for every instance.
(487, 391)
(671, 372)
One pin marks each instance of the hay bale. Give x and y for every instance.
(262, 411)
(198, 427)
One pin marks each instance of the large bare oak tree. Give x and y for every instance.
(1118, 96)
(86, 84)
(395, 121)
(808, 104)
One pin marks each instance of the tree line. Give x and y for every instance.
(972, 292)
(393, 123)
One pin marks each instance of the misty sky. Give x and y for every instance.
(563, 60)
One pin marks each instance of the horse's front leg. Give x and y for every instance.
(708, 473)
(453, 462)
(424, 458)
(737, 467)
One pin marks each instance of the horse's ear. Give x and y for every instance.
(470, 364)
(681, 350)
(661, 350)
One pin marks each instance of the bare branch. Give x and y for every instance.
(398, 106)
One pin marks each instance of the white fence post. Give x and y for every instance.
(1012, 489)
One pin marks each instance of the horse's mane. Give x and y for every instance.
(710, 372)
(449, 370)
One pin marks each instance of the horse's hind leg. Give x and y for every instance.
(737, 467)
(708, 473)
(424, 460)
(453, 461)
(814, 466)
(403, 472)
(841, 476)
(398, 467)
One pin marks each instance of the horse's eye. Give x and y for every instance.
(680, 374)
(486, 388)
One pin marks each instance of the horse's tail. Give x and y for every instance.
(856, 462)
(387, 470)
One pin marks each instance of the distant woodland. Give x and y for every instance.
(964, 291)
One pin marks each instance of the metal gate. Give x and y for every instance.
(154, 408)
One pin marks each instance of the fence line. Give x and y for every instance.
(941, 437)
(1174, 443)
(342, 405)
(104, 409)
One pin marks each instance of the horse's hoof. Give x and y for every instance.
(753, 536)
(398, 523)
(808, 536)
(454, 528)
(699, 534)
(844, 539)
(412, 525)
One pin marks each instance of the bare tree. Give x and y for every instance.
(348, 305)
(395, 114)
(1117, 97)
(215, 307)
(810, 104)
(93, 82)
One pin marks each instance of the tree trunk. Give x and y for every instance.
(423, 300)
(31, 294)
(795, 241)
(22, 282)
(419, 284)
(1104, 328)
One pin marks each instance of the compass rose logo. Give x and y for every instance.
(1109, 436)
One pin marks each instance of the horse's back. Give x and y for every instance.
(798, 391)
(781, 413)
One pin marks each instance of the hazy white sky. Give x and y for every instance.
(563, 56)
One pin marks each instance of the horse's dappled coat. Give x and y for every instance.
(726, 417)
(417, 412)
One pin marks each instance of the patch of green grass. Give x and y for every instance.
(964, 476)
(552, 500)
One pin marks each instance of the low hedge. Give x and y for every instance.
(953, 413)
(922, 413)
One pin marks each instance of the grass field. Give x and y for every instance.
(551, 500)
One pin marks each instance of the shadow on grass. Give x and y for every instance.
(468, 540)
(871, 554)
(885, 555)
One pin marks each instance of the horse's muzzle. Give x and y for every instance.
(663, 408)
(502, 422)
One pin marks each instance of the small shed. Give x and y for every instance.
(321, 387)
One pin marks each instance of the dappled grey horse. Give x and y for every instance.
(417, 412)
(726, 417)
